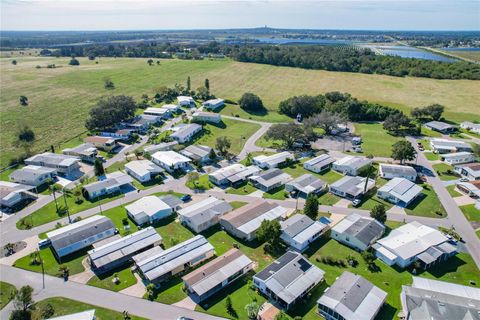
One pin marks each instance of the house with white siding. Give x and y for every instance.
(440, 126)
(197, 152)
(299, 231)
(458, 158)
(87, 152)
(306, 184)
(213, 104)
(471, 171)
(143, 170)
(14, 194)
(112, 183)
(201, 116)
(390, 171)
(233, 174)
(319, 164)
(351, 165)
(270, 179)
(272, 161)
(400, 191)
(186, 101)
(185, 132)
(357, 232)
(470, 126)
(67, 166)
(163, 113)
(171, 161)
(352, 188)
(148, 210)
(203, 214)
(33, 175)
(449, 146)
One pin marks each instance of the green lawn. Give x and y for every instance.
(172, 232)
(202, 183)
(48, 212)
(478, 233)
(376, 141)
(451, 190)
(427, 204)
(6, 293)
(471, 213)
(237, 131)
(270, 115)
(81, 86)
(425, 143)
(296, 170)
(430, 133)
(104, 280)
(328, 199)
(64, 306)
(445, 172)
(277, 194)
(264, 143)
(243, 189)
(237, 204)
(431, 156)
(371, 199)
(51, 264)
(170, 291)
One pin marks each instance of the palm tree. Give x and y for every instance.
(54, 188)
(66, 192)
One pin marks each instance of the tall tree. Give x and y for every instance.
(311, 206)
(379, 213)
(98, 168)
(435, 111)
(207, 84)
(188, 84)
(110, 111)
(403, 150)
(23, 304)
(287, 133)
(270, 232)
(223, 145)
(74, 62)
(327, 120)
(251, 102)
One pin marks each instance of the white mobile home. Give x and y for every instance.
(351, 165)
(204, 214)
(148, 210)
(357, 232)
(32, 175)
(319, 164)
(457, 158)
(171, 161)
(299, 231)
(400, 192)
(143, 170)
(272, 161)
(390, 171)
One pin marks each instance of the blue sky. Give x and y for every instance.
(202, 14)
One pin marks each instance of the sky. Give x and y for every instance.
(218, 14)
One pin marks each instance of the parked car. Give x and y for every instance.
(464, 180)
(356, 202)
(186, 197)
(358, 149)
(44, 243)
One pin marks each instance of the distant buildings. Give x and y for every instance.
(204, 214)
(233, 174)
(413, 242)
(319, 164)
(390, 171)
(439, 126)
(143, 170)
(202, 116)
(244, 222)
(270, 179)
(142, 122)
(32, 175)
(458, 158)
(400, 192)
(351, 297)
(171, 160)
(272, 161)
(148, 210)
(217, 274)
(80, 235)
(288, 279)
(102, 143)
(449, 146)
(306, 184)
(158, 112)
(213, 104)
(433, 299)
(299, 231)
(185, 132)
(112, 183)
(118, 252)
(358, 232)
(350, 165)
(351, 188)
(186, 101)
(87, 152)
(157, 265)
(67, 166)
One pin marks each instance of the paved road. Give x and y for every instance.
(56, 287)
(455, 215)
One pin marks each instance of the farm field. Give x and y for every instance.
(72, 90)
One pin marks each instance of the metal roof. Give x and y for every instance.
(143, 167)
(149, 205)
(182, 132)
(153, 264)
(112, 180)
(196, 152)
(438, 125)
(402, 189)
(274, 159)
(301, 228)
(290, 276)
(216, 271)
(52, 159)
(438, 143)
(320, 161)
(271, 177)
(204, 210)
(351, 185)
(397, 169)
(170, 158)
(30, 172)
(307, 183)
(364, 229)
(78, 231)
(353, 162)
(124, 246)
(353, 297)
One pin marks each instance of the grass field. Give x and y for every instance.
(427, 204)
(60, 98)
(445, 172)
(104, 281)
(376, 141)
(64, 306)
(203, 183)
(451, 190)
(6, 293)
(469, 55)
(471, 213)
(237, 131)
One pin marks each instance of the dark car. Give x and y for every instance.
(186, 197)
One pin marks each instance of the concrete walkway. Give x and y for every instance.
(186, 303)
(463, 200)
(84, 276)
(342, 203)
(137, 290)
(397, 210)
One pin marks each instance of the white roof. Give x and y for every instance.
(143, 167)
(353, 162)
(75, 225)
(171, 107)
(457, 154)
(446, 287)
(159, 111)
(402, 189)
(84, 315)
(206, 114)
(411, 239)
(184, 98)
(397, 169)
(149, 205)
(170, 158)
(274, 158)
(449, 144)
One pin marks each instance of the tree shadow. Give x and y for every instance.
(307, 303)
(104, 275)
